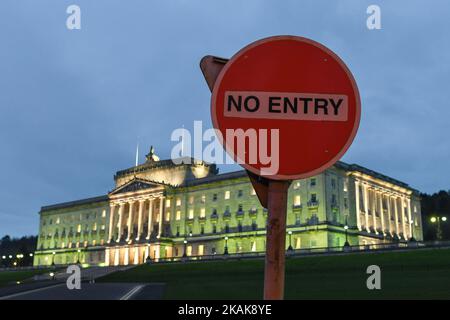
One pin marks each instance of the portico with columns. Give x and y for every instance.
(136, 223)
(383, 209)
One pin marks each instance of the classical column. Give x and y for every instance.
(126, 258)
(141, 210)
(388, 202)
(136, 255)
(380, 207)
(116, 256)
(119, 234)
(358, 213)
(107, 262)
(112, 207)
(374, 209)
(366, 206)
(130, 220)
(150, 219)
(411, 226)
(396, 215)
(402, 199)
(161, 211)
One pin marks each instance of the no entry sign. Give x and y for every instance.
(285, 99)
(296, 92)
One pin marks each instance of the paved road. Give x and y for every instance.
(97, 291)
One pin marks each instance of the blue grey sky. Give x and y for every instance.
(72, 103)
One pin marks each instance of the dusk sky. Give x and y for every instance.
(74, 102)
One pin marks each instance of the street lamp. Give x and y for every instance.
(290, 241)
(185, 245)
(346, 244)
(438, 220)
(225, 251)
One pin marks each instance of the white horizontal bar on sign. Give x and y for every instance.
(286, 105)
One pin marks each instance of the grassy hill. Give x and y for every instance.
(419, 274)
(11, 277)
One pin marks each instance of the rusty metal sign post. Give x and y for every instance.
(318, 95)
(272, 194)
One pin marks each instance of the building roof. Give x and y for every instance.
(215, 178)
(75, 203)
(356, 167)
(160, 164)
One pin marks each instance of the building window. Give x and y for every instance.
(240, 193)
(254, 225)
(191, 199)
(296, 185)
(94, 227)
(201, 249)
(333, 183)
(191, 214)
(178, 203)
(79, 228)
(333, 200)
(203, 198)
(178, 215)
(202, 212)
(202, 229)
(253, 246)
(312, 182)
(345, 185)
(227, 228)
(345, 203)
(103, 227)
(168, 203)
(94, 242)
(297, 200)
(227, 195)
(189, 251)
(103, 213)
(167, 216)
(240, 226)
(58, 220)
(214, 228)
(178, 231)
(313, 198)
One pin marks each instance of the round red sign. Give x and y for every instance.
(286, 107)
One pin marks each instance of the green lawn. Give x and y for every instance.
(8, 277)
(420, 274)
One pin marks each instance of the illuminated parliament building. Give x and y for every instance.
(160, 210)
